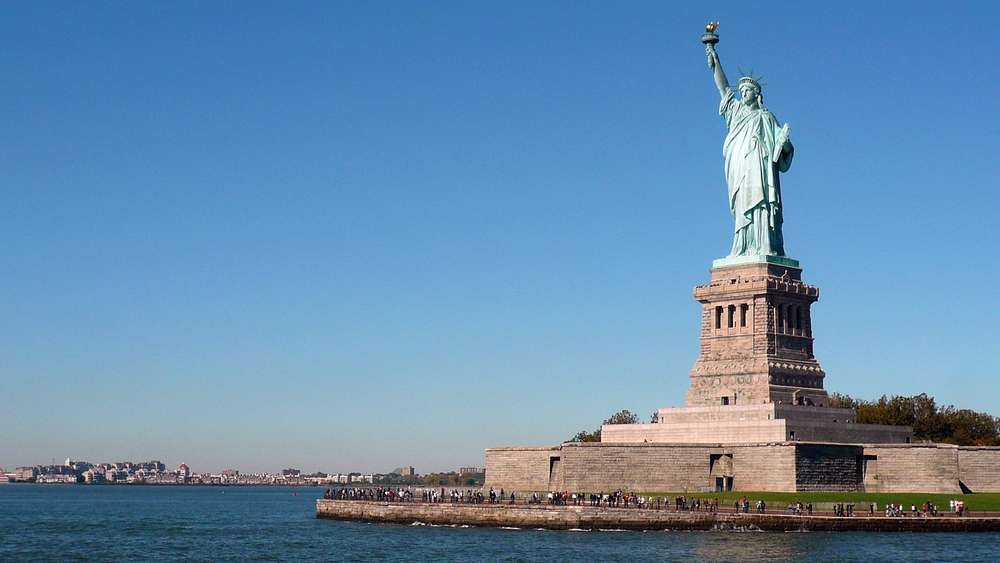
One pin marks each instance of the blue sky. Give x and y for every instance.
(353, 236)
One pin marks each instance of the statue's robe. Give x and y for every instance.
(753, 163)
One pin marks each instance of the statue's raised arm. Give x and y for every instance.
(713, 63)
(710, 39)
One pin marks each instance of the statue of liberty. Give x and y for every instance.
(756, 150)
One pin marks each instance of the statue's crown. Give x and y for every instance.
(750, 80)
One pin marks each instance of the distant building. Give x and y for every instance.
(154, 466)
(183, 471)
(163, 479)
(470, 470)
(408, 471)
(291, 472)
(62, 478)
(56, 470)
(93, 477)
(25, 473)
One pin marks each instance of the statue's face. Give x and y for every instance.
(749, 95)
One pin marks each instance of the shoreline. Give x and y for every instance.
(633, 519)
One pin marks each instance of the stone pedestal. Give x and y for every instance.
(756, 337)
(756, 378)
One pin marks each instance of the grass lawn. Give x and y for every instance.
(989, 502)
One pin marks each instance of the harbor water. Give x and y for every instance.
(168, 523)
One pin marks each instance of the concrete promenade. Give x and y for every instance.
(602, 518)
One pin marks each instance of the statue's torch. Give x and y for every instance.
(710, 39)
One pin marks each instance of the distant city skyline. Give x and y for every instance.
(357, 235)
(155, 471)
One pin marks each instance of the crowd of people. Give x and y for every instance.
(742, 504)
(798, 508)
(382, 494)
(410, 494)
(926, 509)
(615, 499)
(623, 499)
(696, 504)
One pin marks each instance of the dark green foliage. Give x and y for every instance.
(929, 421)
(584, 436)
(624, 416)
(451, 479)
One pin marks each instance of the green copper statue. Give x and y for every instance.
(756, 150)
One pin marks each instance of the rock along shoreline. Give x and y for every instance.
(598, 518)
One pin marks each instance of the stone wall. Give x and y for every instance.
(846, 433)
(520, 468)
(916, 468)
(979, 469)
(774, 466)
(750, 431)
(765, 467)
(716, 413)
(753, 424)
(595, 518)
(601, 466)
(729, 432)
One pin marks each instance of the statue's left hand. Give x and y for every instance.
(784, 134)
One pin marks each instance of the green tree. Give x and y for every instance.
(624, 416)
(840, 401)
(584, 436)
(930, 421)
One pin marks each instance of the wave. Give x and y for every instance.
(727, 527)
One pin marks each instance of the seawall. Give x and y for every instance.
(598, 518)
(790, 466)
